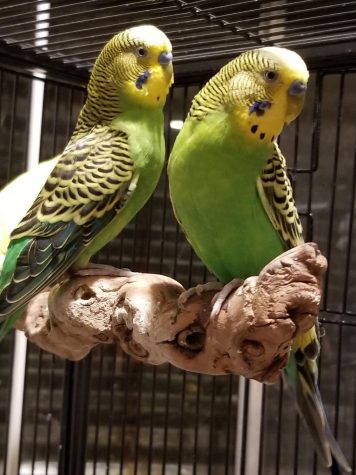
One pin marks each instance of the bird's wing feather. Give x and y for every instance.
(91, 182)
(276, 195)
(90, 179)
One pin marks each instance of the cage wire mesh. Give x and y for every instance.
(199, 29)
(109, 414)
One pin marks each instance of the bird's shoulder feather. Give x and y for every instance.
(91, 178)
(276, 195)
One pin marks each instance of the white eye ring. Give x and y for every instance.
(270, 75)
(141, 52)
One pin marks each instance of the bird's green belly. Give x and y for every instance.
(217, 202)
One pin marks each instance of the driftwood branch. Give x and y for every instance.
(251, 336)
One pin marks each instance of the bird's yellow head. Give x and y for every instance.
(268, 91)
(134, 67)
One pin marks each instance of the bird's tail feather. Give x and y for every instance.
(301, 375)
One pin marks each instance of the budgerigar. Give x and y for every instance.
(233, 199)
(106, 173)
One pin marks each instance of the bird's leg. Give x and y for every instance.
(220, 298)
(103, 270)
(197, 290)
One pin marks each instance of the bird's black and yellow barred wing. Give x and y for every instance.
(301, 373)
(276, 195)
(92, 181)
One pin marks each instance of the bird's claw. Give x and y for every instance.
(197, 290)
(219, 299)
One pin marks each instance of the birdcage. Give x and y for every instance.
(108, 414)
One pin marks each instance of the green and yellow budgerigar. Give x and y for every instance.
(106, 173)
(233, 199)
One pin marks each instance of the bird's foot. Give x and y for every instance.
(197, 290)
(94, 269)
(220, 298)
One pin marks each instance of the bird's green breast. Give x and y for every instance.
(213, 174)
(147, 149)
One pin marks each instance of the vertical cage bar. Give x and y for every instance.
(241, 426)
(37, 404)
(333, 190)
(279, 428)
(249, 422)
(166, 420)
(75, 418)
(263, 425)
(152, 416)
(211, 428)
(196, 424)
(11, 131)
(338, 380)
(315, 152)
(181, 424)
(20, 349)
(349, 241)
(49, 417)
(111, 414)
(168, 137)
(228, 428)
(254, 421)
(97, 411)
(124, 413)
(16, 404)
(19, 362)
(353, 461)
(138, 422)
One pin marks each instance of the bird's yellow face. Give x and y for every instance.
(276, 83)
(143, 68)
(288, 83)
(134, 68)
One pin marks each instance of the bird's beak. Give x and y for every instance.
(165, 58)
(297, 88)
(296, 98)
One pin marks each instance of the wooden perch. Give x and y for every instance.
(251, 336)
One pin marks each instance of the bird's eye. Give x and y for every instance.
(270, 75)
(141, 52)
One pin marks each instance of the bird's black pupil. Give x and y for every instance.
(270, 75)
(141, 51)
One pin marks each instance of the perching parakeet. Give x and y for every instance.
(106, 173)
(232, 196)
